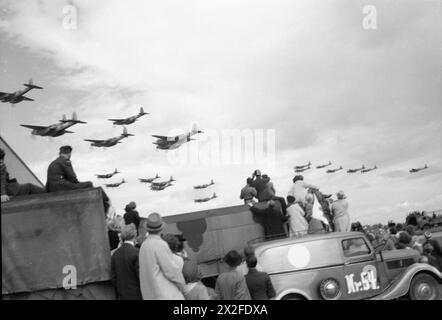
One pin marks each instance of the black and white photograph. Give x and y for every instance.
(221, 150)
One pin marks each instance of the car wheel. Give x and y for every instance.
(293, 297)
(424, 287)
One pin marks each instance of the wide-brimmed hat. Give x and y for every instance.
(341, 195)
(233, 258)
(154, 222)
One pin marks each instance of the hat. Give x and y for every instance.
(233, 258)
(258, 172)
(131, 205)
(154, 222)
(341, 195)
(65, 149)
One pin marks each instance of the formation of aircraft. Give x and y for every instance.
(149, 180)
(129, 120)
(18, 96)
(205, 199)
(414, 170)
(54, 130)
(170, 143)
(324, 165)
(107, 175)
(203, 186)
(111, 141)
(356, 170)
(334, 170)
(115, 185)
(369, 169)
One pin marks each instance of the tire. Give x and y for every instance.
(293, 297)
(424, 287)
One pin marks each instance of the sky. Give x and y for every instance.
(306, 74)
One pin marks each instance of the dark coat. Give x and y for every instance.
(61, 176)
(259, 284)
(132, 216)
(272, 221)
(259, 184)
(125, 272)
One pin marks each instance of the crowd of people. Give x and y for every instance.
(305, 210)
(159, 268)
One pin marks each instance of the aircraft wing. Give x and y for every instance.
(90, 140)
(163, 137)
(27, 99)
(116, 119)
(4, 94)
(33, 127)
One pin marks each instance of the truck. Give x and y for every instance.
(55, 246)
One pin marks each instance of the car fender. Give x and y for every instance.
(401, 285)
(292, 291)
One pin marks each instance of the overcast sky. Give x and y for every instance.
(308, 70)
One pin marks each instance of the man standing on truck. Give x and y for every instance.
(10, 187)
(272, 220)
(61, 175)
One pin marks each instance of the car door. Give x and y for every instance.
(361, 269)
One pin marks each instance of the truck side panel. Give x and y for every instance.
(44, 237)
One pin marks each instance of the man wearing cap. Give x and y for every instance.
(341, 218)
(160, 277)
(10, 187)
(61, 175)
(258, 183)
(232, 285)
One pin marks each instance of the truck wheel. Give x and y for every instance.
(424, 287)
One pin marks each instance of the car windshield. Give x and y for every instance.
(355, 247)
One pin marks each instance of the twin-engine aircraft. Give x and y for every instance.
(109, 142)
(115, 185)
(356, 170)
(205, 199)
(18, 96)
(149, 180)
(413, 170)
(107, 175)
(129, 120)
(54, 130)
(170, 143)
(203, 186)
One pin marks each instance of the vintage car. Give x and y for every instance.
(345, 266)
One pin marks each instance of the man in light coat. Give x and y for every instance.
(160, 277)
(341, 218)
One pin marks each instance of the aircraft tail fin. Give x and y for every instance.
(115, 171)
(340, 167)
(363, 167)
(157, 176)
(31, 85)
(63, 119)
(142, 112)
(214, 195)
(123, 181)
(171, 178)
(125, 134)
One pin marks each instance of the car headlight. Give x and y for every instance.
(330, 289)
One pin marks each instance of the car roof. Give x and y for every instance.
(306, 238)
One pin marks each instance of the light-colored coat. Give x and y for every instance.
(160, 276)
(297, 223)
